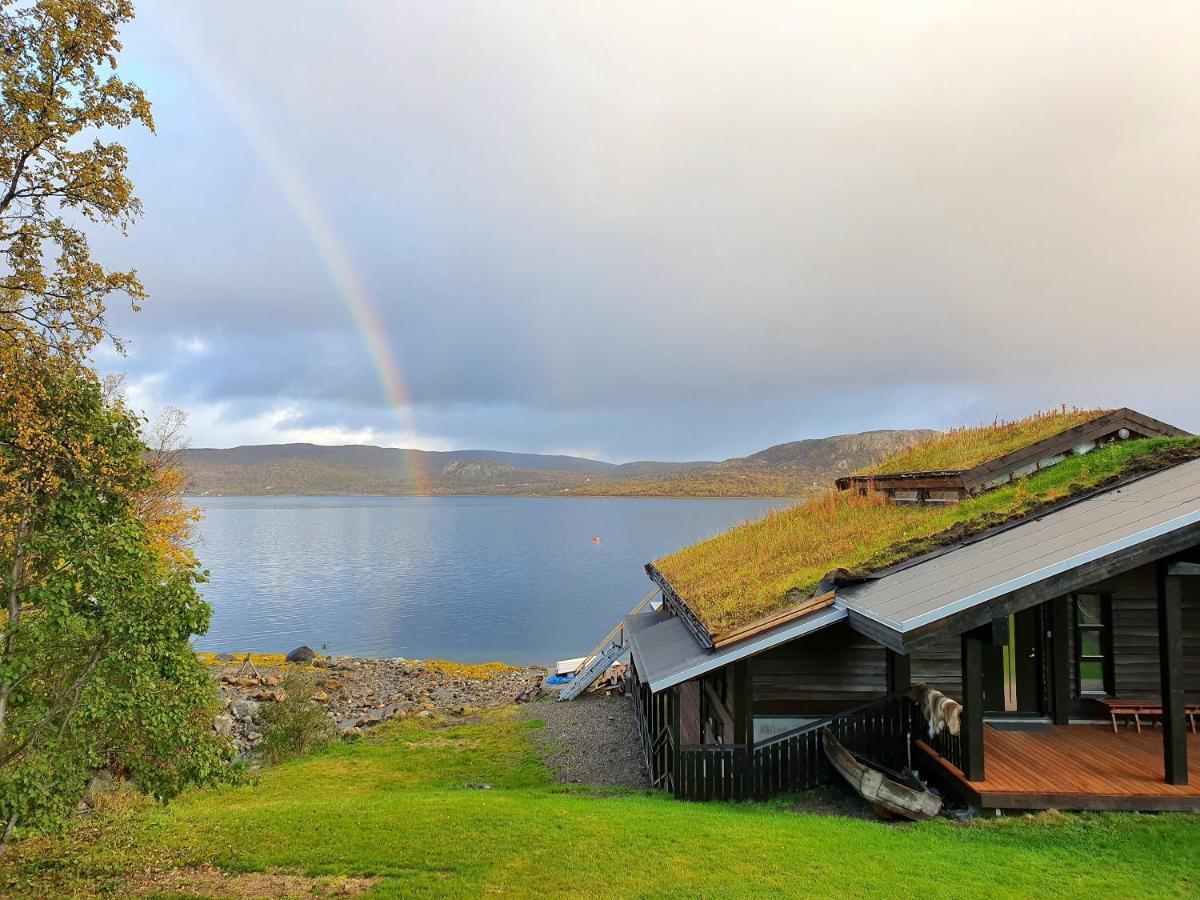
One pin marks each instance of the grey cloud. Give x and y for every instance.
(666, 229)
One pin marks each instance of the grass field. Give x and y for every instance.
(762, 567)
(392, 817)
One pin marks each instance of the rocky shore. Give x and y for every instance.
(360, 693)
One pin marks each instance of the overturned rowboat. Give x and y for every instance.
(883, 788)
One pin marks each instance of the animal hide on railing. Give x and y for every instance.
(941, 713)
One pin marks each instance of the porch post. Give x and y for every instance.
(899, 672)
(972, 725)
(675, 696)
(743, 722)
(1170, 657)
(1060, 667)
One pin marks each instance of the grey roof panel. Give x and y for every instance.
(1031, 551)
(1050, 544)
(666, 653)
(1092, 521)
(1035, 544)
(661, 644)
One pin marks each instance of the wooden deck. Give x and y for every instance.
(1073, 767)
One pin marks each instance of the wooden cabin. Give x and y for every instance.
(950, 485)
(1071, 637)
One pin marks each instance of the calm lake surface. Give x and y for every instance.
(468, 578)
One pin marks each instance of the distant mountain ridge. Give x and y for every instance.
(277, 469)
(370, 456)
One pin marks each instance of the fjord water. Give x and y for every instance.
(515, 579)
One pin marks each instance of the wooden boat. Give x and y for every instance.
(885, 789)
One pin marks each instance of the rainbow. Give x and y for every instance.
(330, 248)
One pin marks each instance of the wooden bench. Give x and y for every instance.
(1150, 708)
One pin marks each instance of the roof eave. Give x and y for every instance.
(720, 658)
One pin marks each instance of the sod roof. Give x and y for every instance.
(960, 449)
(760, 569)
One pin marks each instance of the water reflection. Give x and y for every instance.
(474, 579)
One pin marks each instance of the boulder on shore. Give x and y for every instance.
(301, 654)
(245, 710)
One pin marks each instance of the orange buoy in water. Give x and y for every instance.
(595, 540)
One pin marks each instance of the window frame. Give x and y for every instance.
(1104, 629)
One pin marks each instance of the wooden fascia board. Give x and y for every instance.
(734, 635)
(875, 630)
(1068, 440)
(906, 481)
(1049, 446)
(1152, 424)
(1022, 456)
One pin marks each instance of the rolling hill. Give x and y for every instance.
(787, 469)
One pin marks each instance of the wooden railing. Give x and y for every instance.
(793, 761)
(796, 761)
(946, 745)
(711, 772)
(883, 731)
(652, 715)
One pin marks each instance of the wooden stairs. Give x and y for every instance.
(604, 655)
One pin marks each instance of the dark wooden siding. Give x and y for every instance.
(1191, 644)
(1135, 646)
(1135, 633)
(939, 664)
(836, 669)
(689, 712)
(819, 674)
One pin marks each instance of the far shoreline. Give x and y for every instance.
(792, 499)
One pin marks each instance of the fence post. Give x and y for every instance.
(743, 722)
(672, 696)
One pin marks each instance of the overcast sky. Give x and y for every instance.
(660, 230)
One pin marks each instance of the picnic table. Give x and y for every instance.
(1151, 709)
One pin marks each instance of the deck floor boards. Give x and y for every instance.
(1076, 767)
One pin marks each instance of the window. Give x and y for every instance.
(1093, 645)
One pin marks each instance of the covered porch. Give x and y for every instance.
(1070, 767)
(1065, 749)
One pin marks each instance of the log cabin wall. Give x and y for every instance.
(1135, 643)
(836, 669)
(939, 664)
(1135, 634)
(689, 713)
(820, 674)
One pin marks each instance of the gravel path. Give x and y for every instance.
(590, 740)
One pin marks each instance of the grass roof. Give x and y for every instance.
(964, 448)
(761, 568)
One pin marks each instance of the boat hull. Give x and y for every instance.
(880, 790)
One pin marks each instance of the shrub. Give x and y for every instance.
(296, 725)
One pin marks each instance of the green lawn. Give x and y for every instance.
(395, 807)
